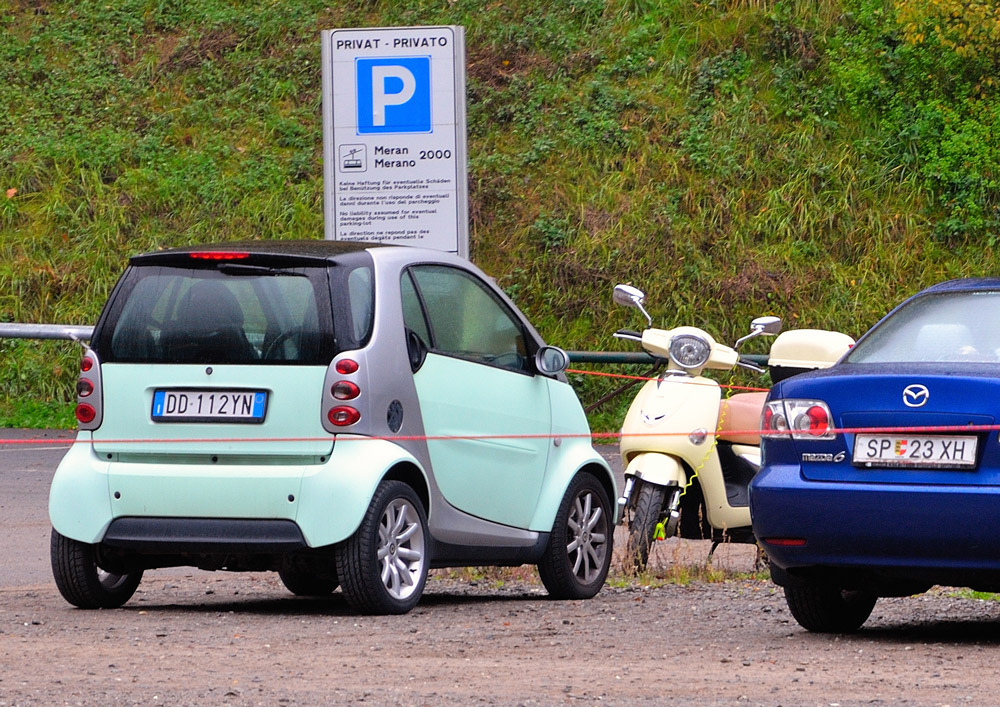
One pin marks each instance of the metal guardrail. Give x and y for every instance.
(638, 357)
(74, 332)
(71, 332)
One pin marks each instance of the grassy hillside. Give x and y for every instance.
(817, 160)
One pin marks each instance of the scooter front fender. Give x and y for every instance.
(656, 468)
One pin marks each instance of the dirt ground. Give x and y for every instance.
(194, 638)
(492, 638)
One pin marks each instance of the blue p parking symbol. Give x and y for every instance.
(394, 95)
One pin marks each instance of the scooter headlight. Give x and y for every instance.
(689, 351)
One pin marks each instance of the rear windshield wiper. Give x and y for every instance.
(241, 269)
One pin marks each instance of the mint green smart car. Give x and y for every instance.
(344, 414)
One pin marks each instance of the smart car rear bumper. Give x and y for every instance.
(324, 502)
(204, 535)
(864, 533)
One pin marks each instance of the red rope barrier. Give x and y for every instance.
(346, 437)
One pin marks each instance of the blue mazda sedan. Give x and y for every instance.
(881, 475)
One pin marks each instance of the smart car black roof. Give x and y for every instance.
(315, 250)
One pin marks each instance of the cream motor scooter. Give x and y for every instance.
(689, 453)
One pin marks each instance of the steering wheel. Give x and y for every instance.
(277, 341)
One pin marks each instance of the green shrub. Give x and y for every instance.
(923, 73)
(817, 160)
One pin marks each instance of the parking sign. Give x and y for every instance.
(394, 137)
(394, 95)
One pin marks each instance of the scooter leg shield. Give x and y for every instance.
(660, 469)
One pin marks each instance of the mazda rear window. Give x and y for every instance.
(954, 327)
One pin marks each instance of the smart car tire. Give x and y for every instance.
(383, 566)
(82, 582)
(826, 609)
(648, 510)
(308, 584)
(577, 558)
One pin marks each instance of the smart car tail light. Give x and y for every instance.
(85, 413)
(346, 366)
(342, 385)
(89, 401)
(804, 419)
(343, 415)
(345, 390)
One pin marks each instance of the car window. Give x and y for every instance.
(202, 315)
(413, 312)
(464, 317)
(360, 291)
(951, 327)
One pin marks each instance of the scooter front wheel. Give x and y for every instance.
(648, 511)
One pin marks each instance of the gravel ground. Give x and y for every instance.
(493, 638)
(489, 638)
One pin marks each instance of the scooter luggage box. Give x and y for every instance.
(800, 350)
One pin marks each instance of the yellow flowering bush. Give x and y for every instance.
(969, 27)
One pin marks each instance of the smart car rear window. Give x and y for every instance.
(206, 315)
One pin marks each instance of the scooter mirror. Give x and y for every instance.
(761, 326)
(631, 297)
(766, 325)
(628, 296)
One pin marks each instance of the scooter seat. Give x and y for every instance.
(739, 418)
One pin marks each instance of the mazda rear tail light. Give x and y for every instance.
(800, 419)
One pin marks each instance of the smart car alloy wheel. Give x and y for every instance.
(383, 566)
(578, 556)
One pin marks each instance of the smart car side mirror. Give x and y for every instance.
(551, 360)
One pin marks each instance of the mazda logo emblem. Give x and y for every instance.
(915, 395)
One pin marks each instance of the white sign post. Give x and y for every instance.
(394, 136)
